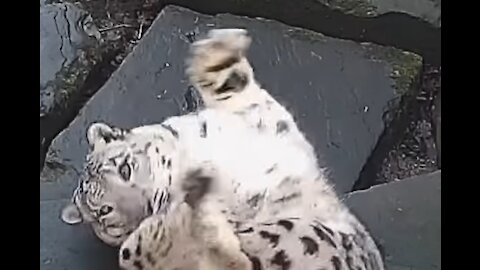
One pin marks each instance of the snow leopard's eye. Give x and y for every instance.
(125, 171)
(105, 210)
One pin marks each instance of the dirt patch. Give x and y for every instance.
(415, 148)
(122, 23)
(416, 153)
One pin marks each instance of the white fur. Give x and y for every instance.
(236, 141)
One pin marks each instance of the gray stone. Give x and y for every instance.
(65, 52)
(337, 89)
(404, 217)
(427, 10)
(438, 128)
(70, 247)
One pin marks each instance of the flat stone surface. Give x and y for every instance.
(65, 36)
(404, 217)
(70, 247)
(338, 90)
(427, 10)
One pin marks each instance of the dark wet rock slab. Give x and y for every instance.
(404, 217)
(427, 10)
(338, 90)
(67, 51)
(397, 29)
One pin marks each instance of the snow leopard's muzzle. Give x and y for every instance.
(111, 221)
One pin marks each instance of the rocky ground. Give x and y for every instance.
(413, 152)
(415, 149)
(417, 152)
(374, 113)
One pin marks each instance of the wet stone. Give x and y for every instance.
(404, 218)
(338, 90)
(67, 52)
(426, 10)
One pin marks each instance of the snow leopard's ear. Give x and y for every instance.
(71, 214)
(100, 134)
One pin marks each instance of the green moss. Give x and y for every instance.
(405, 66)
(305, 35)
(361, 8)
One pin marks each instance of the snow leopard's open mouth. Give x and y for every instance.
(113, 236)
(107, 229)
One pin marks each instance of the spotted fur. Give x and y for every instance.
(235, 185)
(187, 236)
